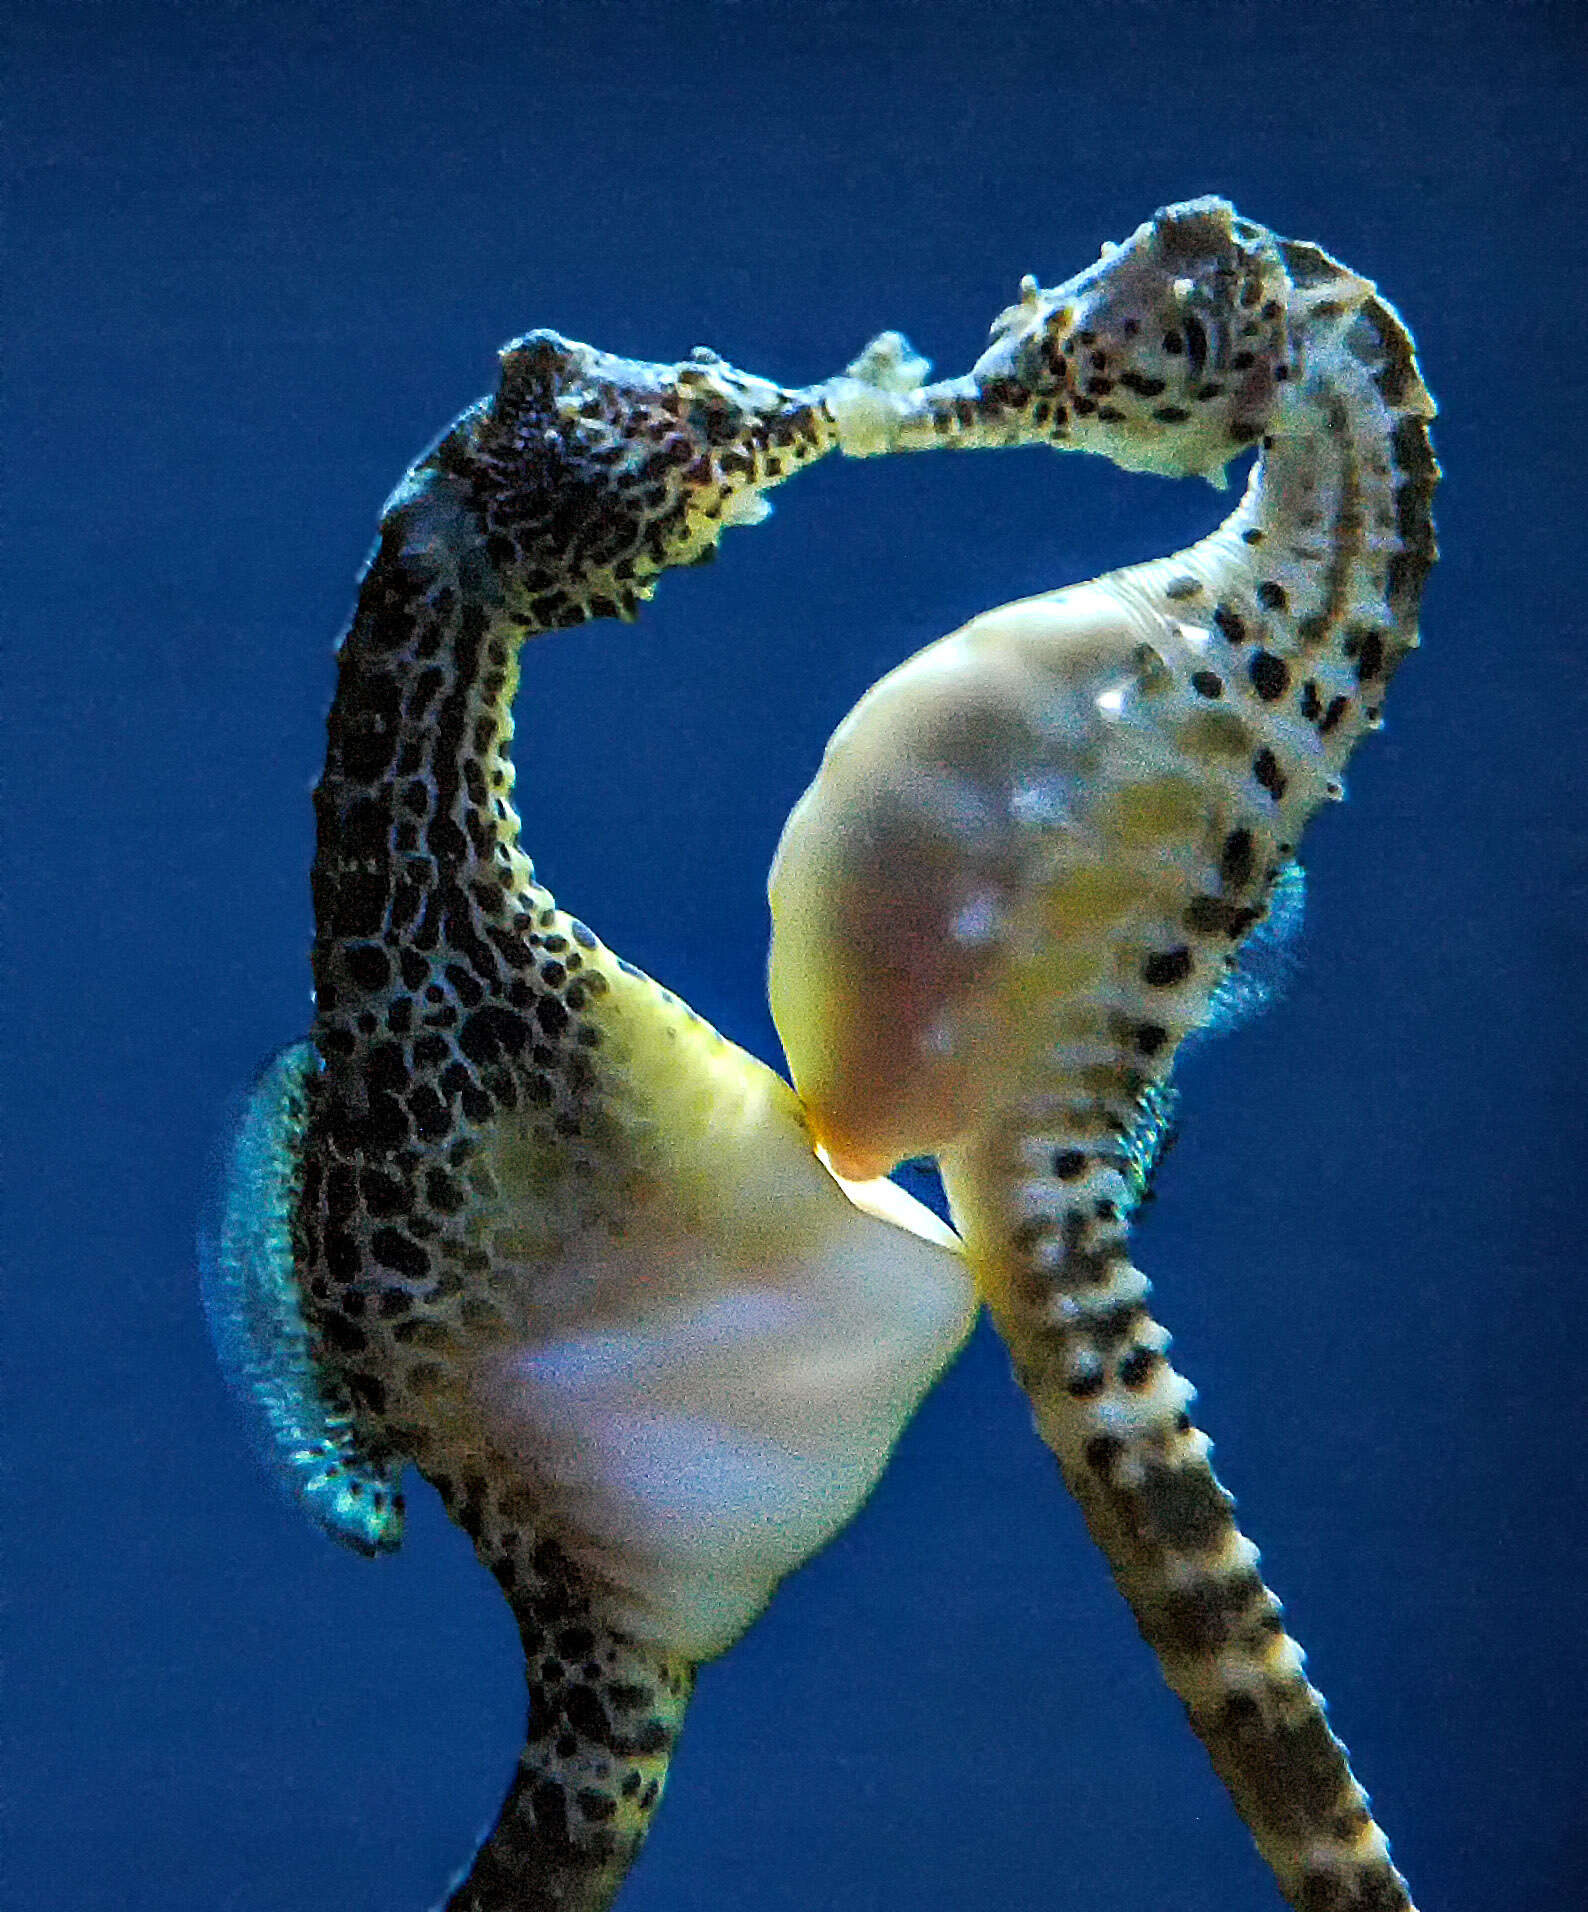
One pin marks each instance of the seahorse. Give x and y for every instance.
(514, 1214)
(1034, 851)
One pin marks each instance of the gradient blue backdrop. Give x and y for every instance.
(259, 254)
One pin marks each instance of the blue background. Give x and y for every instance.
(259, 254)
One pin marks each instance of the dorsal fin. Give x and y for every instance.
(300, 1421)
(1266, 960)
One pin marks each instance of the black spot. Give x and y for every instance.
(1180, 588)
(342, 1259)
(1163, 968)
(1230, 624)
(649, 1738)
(1207, 684)
(1206, 915)
(1171, 414)
(1265, 768)
(1150, 1038)
(1235, 859)
(1270, 676)
(550, 1805)
(1102, 1451)
(1068, 1164)
(1184, 1507)
(385, 1124)
(341, 1335)
(582, 1707)
(1297, 1767)
(1337, 709)
(395, 1251)
(596, 1806)
(1252, 535)
(1201, 1619)
(1136, 1368)
(552, 1015)
(442, 1192)
(1081, 1387)
(430, 1115)
(368, 966)
(1272, 596)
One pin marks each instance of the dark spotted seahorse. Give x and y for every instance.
(516, 1216)
(1033, 851)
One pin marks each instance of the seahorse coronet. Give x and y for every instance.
(648, 1322)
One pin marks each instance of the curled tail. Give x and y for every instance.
(604, 1714)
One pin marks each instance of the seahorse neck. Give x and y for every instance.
(1337, 513)
(1315, 579)
(561, 498)
(417, 837)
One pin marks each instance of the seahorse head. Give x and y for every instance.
(1164, 355)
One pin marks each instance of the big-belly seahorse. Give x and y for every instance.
(517, 1216)
(1030, 858)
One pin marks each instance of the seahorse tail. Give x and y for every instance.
(605, 1711)
(1115, 1414)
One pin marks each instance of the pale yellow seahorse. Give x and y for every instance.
(1032, 851)
(518, 1217)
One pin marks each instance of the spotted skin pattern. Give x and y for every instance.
(1080, 805)
(519, 1150)
(452, 994)
(496, 1110)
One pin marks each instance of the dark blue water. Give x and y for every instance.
(259, 254)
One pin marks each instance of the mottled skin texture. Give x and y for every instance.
(452, 994)
(1186, 717)
(476, 1041)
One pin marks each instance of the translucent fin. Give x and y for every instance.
(1267, 958)
(1143, 1148)
(300, 1421)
